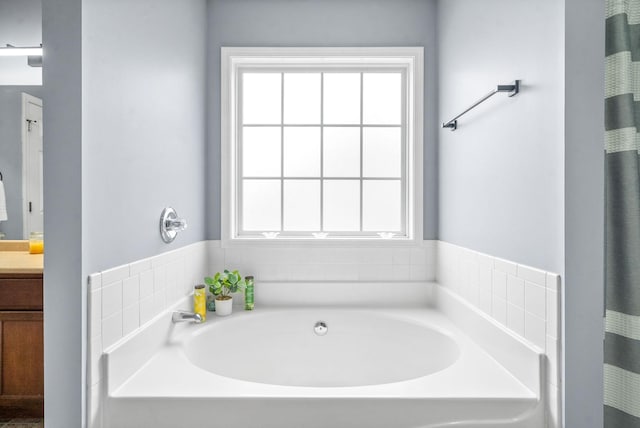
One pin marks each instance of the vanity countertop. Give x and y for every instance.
(15, 258)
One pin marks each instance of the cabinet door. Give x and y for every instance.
(21, 363)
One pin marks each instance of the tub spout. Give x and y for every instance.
(182, 316)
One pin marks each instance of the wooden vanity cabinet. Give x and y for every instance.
(21, 346)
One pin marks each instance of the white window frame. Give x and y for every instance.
(234, 60)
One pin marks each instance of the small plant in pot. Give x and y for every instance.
(221, 286)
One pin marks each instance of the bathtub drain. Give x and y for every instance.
(320, 328)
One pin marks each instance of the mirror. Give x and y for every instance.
(20, 121)
(20, 26)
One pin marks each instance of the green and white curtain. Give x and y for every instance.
(622, 253)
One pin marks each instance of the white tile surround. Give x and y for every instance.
(125, 298)
(525, 300)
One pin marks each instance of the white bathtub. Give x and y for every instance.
(375, 368)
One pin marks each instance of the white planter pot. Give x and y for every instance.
(224, 307)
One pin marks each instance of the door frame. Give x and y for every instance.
(26, 99)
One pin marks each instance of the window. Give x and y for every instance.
(322, 143)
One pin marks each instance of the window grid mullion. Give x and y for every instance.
(321, 152)
(322, 178)
(361, 151)
(282, 152)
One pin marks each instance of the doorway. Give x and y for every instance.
(32, 182)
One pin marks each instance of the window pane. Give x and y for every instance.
(301, 205)
(341, 210)
(302, 152)
(382, 155)
(261, 151)
(381, 202)
(341, 152)
(382, 98)
(261, 98)
(261, 205)
(302, 98)
(341, 98)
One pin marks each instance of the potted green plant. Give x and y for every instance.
(221, 286)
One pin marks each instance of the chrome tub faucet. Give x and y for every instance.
(183, 316)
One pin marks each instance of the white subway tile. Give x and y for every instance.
(499, 310)
(212, 243)
(147, 309)
(553, 313)
(473, 294)
(111, 299)
(515, 291)
(420, 273)
(232, 256)
(306, 272)
(130, 319)
(506, 266)
(139, 266)
(172, 294)
(131, 291)
(327, 256)
(473, 272)
(419, 256)
(159, 302)
(95, 281)
(163, 259)
(499, 282)
(146, 284)
(401, 272)
(159, 278)
(375, 272)
(530, 274)
(515, 319)
(485, 260)
(553, 281)
(341, 272)
(535, 299)
(484, 302)
(216, 256)
(172, 275)
(265, 272)
(469, 255)
(534, 330)
(119, 273)
(345, 256)
(402, 256)
(485, 279)
(111, 330)
(95, 313)
(375, 256)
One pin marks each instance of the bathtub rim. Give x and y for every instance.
(522, 359)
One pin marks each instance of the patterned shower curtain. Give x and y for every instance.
(622, 211)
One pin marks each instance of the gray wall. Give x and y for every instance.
(584, 212)
(501, 172)
(125, 90)
(523, 178)
(143, 126)
(323, 23)
(64, 289)
(11, 154)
